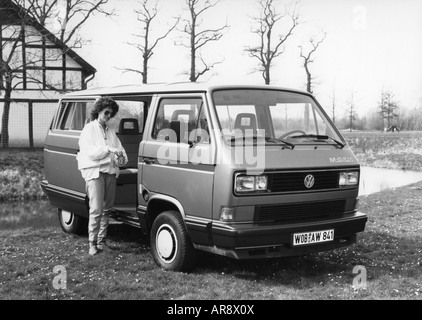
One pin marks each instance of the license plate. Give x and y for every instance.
(305, 238)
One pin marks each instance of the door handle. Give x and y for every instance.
(148, 161)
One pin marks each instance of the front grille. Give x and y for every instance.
(294, 181)
(299, 212)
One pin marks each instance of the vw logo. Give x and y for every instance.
(309, 181)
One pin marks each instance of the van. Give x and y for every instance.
(243, 171)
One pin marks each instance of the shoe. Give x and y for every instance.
(93, 251)
(101, 246)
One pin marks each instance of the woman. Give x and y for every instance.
(100, 156)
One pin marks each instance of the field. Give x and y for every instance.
(388, 150)
(386, 262)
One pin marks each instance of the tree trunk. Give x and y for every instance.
(192, 77)
(145, 70)
(267, 75)
(192, 66)
(5, 117)
(308, 89)
(309, 80)
(268, 58)
(306, 117)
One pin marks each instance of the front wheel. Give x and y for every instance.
(72, 223)
(171, 246)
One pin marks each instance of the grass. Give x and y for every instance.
(387, 150)
(20, 175)
(390, 250)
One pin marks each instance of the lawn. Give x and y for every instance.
(20, 175)
(389, 252)
(388, 255)
(398, 150)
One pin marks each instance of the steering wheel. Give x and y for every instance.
(291, 132)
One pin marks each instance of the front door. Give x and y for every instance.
(177, 160)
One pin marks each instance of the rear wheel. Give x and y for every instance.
(72, 223)
(171, 246)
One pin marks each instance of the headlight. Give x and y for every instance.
(251, 183)
(348, 178)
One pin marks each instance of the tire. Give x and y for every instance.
(72, 223)
(171, 246)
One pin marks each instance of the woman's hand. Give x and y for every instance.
(120, 159)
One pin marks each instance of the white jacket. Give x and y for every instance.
(93, 151)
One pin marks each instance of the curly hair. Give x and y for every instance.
(103, 103)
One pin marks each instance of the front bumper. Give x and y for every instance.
(246, 241)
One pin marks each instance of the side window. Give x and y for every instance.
(133, 115)
(181, 120)
(75, 115)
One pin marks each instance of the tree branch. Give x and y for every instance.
(267, 21)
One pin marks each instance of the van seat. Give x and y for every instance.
(245, 121)
(130, 138)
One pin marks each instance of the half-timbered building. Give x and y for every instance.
(39, 67)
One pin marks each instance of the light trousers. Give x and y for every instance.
(101, 193)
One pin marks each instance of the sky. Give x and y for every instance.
(370, 45)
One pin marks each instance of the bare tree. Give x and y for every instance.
(199, 38)
(388, 107)
(14, 57)
(11, 62)
(71, 14)
(351, 112)
(6, 78)
(272, 46)
(146, 45)
(333, 105)
(306, 55)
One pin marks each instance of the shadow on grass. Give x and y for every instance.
(127, 238)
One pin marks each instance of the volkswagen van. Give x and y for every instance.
(243, 171)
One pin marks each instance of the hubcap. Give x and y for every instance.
(166, 243)
(67, 217)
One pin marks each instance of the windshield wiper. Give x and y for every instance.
(321, 137)
(267, 139)
(291, 145)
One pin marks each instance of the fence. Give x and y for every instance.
(29, 121)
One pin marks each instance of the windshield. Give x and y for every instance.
(276, 116)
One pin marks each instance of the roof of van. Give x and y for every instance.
(169, 88)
